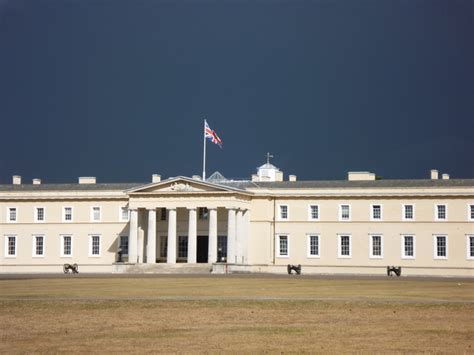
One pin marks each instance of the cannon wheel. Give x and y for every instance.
(75, 268)
(66, 268)
(288, 268)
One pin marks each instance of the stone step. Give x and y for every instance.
(163, 268)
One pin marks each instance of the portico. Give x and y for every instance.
(187, 221)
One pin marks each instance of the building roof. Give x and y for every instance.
(268, 166)
(70, 187)
(216, 177)
(328, 184)
(243, 185)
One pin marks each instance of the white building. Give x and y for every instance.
(359, 225)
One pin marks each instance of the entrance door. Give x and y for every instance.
(222, 249)
(202, 248)
(163, 251)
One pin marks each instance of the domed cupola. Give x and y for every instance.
(268, 171)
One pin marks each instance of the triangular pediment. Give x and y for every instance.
(180, 184)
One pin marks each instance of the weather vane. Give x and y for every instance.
(268, 157)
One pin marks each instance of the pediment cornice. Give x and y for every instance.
(183, 185)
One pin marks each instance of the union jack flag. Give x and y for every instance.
(211, 135)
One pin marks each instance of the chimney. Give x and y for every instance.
(434, 174)
(278, 175)
(16, 180)
(292, 177)
(196, 177)
(155, 178)
(445, 176)
(360, 176)
(87, 180)
(36, 181)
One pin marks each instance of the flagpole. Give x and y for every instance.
(204, 154)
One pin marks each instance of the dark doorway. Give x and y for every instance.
(222, 249)
(202, 248)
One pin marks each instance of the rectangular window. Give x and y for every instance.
(470, 246)
(408, 212)
(344, 246)
(376, 247)
(471, 212)
(283, 249)
(95, 245)
(408, 247)
(376, 212)
(39, 214)
(95, 214)
(66, 245)
(313, 245)
(67, 214)
(441, 212)
(283, 212)
(313, 212)
(124, 244)
(344, 212)
(38, 245)
(10, 246)
(124, 214)
(440, 247)
(12, 214)
(182, 246)
(203, 213)
(163, 214)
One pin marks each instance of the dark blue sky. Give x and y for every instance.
(118, 89)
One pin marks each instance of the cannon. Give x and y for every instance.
(72, 267)
(291, 268)
(394, 269)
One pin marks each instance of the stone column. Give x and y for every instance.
(246, 237)
(133, 237)
(212, 254)
(151, 238)
(192, 236)
(171, 236)
(141, 240)
(231, 235)
(238, 236)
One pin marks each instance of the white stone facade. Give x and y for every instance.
(355, 226)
